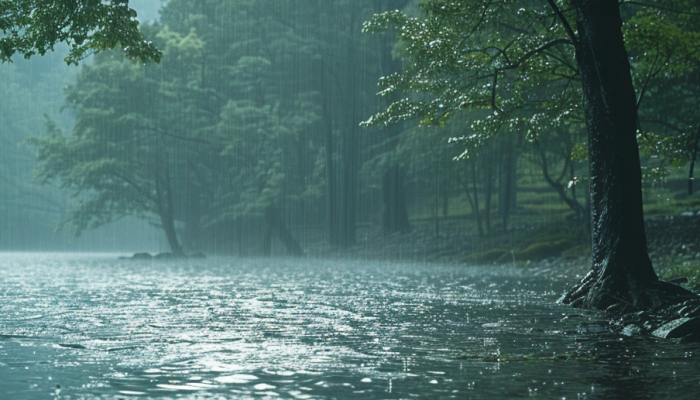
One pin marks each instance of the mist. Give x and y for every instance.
(348, 198)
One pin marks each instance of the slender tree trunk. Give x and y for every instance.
(267, 242)
(556, 184)
(474, 201)
(487, 176)
(507, 184)
(166, 212)
(692, 162)
(350, 131)
(622, 278)
(395, 213)
(277, 226)
(331, 179)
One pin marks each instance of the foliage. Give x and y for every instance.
(520, 78)
(665, 56)
(34, 27)
(199, 138)
(109, 159)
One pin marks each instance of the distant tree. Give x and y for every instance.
(33, 27)
(520, 61)
(257, 140)
(256, 83)
(666, 65)
(123, 155)
(204, 137)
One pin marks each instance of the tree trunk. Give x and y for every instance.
(507, 184)
(487, 174)
(556, 184)
(166, 212)
(277, 226)
(693, 157)
(395, 213)
(474, 201)
(622, 278)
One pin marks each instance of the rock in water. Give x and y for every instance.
(142, 256)
(678, 328)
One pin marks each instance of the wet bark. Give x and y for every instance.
(622, 278)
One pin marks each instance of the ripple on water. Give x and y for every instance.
(93, 326)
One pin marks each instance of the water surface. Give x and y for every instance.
(92, 326)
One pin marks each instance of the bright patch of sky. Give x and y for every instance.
(147, 10)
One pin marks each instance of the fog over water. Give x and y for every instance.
(340, 199)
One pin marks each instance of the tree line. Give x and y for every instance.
(250, 124)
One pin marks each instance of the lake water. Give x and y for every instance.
(92, 326)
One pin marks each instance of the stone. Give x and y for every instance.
(678, 328)
(631, 330)
(142, 256)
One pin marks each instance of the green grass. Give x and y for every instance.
(677, 266)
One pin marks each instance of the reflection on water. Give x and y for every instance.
(92, 326)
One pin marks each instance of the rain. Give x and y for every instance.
(379, 199)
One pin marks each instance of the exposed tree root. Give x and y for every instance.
(619, 295)
(655, 308)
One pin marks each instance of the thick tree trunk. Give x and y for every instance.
(622, 278)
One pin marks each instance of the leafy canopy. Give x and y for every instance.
(31, 27)
(512, 64)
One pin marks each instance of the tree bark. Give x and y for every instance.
(622, 278)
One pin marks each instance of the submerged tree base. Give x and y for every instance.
(657, 308)
(624, 294)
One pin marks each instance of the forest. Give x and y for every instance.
(262, 123)
(535, 135)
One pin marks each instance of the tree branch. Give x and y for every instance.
(564, 22)
(648, 78)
